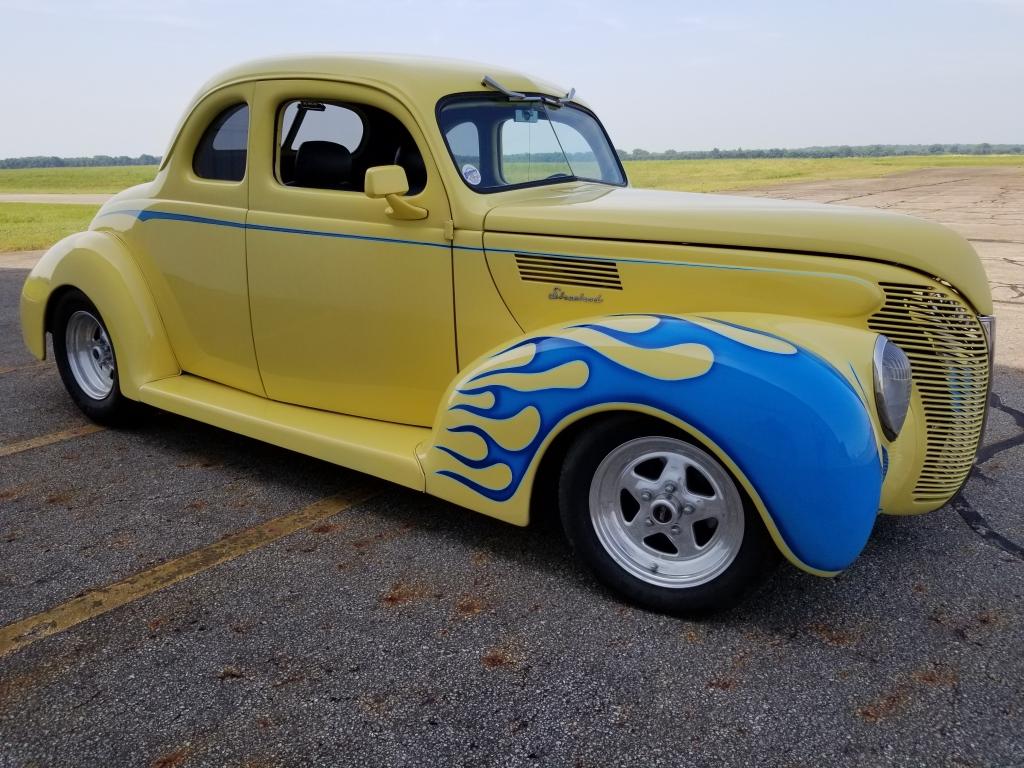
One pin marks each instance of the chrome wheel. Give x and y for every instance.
(666, 512)
(90, 354)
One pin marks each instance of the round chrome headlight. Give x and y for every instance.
(892, 386)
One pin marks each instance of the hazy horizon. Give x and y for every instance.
(655, 154)
(112, 77)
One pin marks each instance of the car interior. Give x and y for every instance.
(328, 145)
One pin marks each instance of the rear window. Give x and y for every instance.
(221, 153)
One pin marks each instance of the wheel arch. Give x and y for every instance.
(98, 265)
(543, 484)
(785, 421)
(51, 303)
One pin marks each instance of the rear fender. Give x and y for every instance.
(99, 265)
(795, 432)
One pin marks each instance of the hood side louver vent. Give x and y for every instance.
(589, 273)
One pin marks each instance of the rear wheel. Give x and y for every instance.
(87, 362)
(659, 520)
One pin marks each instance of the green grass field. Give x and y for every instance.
(33, 226)
(724, 175)
(74, 180)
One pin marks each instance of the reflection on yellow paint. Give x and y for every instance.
(514, 358)
(680, 361)
(749, 338)
(630, 323)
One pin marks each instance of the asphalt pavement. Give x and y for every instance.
(405, 631)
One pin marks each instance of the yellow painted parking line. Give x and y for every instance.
(54, 437)
(27, 367)
(98, 601)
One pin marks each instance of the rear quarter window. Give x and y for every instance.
(221, 153)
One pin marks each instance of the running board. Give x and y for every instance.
(377, 448)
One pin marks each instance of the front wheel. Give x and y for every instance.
(86, 361)
(659, 520)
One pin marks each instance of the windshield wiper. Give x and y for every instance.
(553, 101)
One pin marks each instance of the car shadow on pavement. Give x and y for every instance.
(897, 542)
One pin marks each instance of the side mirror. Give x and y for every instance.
(391, 183)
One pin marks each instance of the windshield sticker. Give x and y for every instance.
(471, 174)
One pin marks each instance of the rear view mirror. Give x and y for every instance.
(391, 183)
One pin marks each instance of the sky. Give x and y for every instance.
(84, 77)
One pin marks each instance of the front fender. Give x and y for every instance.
(794, 430)
(99, 265)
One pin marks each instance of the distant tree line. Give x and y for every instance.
(868, 150)
(550, 157)
(43, 161)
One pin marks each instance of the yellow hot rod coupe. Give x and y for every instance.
(439, 275)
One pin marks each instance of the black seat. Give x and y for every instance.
(323, 165)
(409, 157)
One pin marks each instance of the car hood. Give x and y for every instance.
(599, 212)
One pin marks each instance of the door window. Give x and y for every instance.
(328, 145)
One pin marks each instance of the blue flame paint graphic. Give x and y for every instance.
(793, 424)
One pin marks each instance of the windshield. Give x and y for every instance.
(500, 144)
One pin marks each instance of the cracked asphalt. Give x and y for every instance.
(405, 631)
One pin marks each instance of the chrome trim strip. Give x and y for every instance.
(988, 325)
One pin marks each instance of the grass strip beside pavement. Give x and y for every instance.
(35, 226)
(70, 181)
(724, 175)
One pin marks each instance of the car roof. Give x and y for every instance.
(421, 80)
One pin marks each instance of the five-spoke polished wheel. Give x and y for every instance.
(666, 512)
(658, 518)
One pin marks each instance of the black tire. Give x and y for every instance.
(756, 553)
(114, 409)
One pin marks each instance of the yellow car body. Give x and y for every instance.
(393, 336)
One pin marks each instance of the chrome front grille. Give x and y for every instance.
(949, 358)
